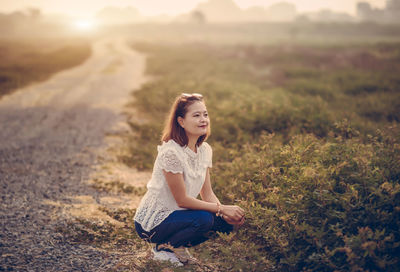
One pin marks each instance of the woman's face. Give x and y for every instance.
(196, 121)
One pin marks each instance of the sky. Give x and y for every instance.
(170, 7)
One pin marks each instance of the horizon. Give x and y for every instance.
(172, 8)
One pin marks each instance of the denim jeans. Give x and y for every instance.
(185, 228)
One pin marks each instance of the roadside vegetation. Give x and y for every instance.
(26, 61)
(305, 134)
(305, 138)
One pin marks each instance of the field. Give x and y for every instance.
(305, 136)
(24, 61)
(305, 139)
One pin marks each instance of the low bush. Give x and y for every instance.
(312, 155)
(315, 205)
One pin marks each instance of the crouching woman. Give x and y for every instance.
(169, 214)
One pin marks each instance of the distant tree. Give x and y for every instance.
(393, 4)
(364, 10)
(220, 10)
(302, 19)
(198, 17)
(282, 11)
(34, 13)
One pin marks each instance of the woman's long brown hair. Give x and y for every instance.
(172, 129)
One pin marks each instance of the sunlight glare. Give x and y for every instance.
(84, 24)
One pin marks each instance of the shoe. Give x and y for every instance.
(184, 255)
(162, 255)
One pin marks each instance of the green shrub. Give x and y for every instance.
(301, 154)
(317, 205)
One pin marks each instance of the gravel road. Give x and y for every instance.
(50, 137)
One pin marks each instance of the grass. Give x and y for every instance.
(304, 132)
(305, 138)
(121, 240)
(305, 90)
(118, 187)
(260, 33)
(24, 62)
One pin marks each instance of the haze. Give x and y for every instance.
(170, 7)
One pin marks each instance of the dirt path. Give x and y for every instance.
(50, 138)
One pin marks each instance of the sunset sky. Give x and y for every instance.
(170, 7)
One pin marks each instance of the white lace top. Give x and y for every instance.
(158, 202)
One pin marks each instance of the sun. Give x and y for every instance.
(84, 24)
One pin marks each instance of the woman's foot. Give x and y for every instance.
(162, 255)
(183, 254)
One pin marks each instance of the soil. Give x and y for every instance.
(53, 136)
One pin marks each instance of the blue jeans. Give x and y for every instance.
(185, 228)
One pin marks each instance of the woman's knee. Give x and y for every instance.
(141, 232)
(204, 220)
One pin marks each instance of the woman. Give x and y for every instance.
(170, 215)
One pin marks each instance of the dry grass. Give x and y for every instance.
(27, 61)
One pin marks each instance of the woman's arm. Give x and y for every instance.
(207, 193)
(178, 190)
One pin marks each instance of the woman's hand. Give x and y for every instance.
(233, 214)
(233, 222)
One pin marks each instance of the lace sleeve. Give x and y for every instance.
(209, 155)
(170, 162)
